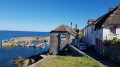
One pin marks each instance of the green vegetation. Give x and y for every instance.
(80, 35)
(69, 61)
(118, 40)
(111, 42)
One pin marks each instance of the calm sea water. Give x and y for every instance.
(7, 55)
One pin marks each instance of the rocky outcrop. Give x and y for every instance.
(18, 62)
(21, 62)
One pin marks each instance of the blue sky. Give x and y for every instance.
(45, 15)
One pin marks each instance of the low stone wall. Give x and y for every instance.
(112, 52)
(75, 51)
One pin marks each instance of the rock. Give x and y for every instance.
(18, 62)
(32, 61)
(26, 63)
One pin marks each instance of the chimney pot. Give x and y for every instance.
(76, 26)
(71, 25)
(110, 9)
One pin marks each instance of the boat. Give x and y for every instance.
(43, 47)
(26, 45)
(14, 44)
(35, 46)
(31, 45)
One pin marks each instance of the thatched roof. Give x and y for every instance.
(111, 18)
(91, 20)
(64, 28)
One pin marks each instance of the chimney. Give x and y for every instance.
(110, 9)
(118, 6)
(71, 25)
(76, 26)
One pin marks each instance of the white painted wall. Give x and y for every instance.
(118, 32)
(108, 35)
(89, 35)
(99, 34)
(83, 35)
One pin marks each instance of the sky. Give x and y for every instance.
(46, 15)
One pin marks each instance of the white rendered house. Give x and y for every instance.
(106, 27)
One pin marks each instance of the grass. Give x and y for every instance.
(69, 61)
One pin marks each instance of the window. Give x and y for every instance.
(63, 35)
(113, 30)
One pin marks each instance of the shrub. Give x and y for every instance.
(113, 42)
(80, 35)
(118, 40)
(106, 42)
(109, 42)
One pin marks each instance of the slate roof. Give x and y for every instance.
(64, 28)
(111, 18)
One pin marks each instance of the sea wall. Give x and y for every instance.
(21, 39)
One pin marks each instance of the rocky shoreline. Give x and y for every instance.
(21, 62)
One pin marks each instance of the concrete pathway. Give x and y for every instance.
(98, 57)
(45, 57)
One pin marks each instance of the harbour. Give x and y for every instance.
(8, 54)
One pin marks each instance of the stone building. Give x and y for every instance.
(60, 37)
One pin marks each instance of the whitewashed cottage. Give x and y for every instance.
(106, 27)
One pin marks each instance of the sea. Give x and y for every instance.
(7, 55)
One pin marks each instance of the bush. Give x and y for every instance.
(106, 42)
(80, 35)
(118, 40)
(109, 42)
(113, 42)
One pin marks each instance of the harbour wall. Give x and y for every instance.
(21, 39)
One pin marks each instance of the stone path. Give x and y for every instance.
(45, 57)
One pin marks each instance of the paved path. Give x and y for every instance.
(98, 57)
(44, 58)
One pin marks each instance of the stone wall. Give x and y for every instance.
(21, 39)
(112, 52)
(53, 43)
(75, 51)
(57, 43)
(32, 39)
